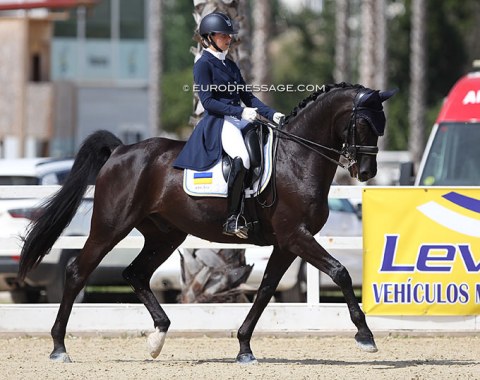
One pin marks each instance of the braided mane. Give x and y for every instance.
(313, 96)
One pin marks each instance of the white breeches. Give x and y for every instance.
(232, 139)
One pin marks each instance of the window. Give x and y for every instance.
(67, 28)
(36, 68)
(62, 176)
(18, 180)
(453, 158)
(340, 205)
(98, 21)
(132, 19)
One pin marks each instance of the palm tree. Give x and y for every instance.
(210, 275)
(367, 54)
(416, 139)
(374, 49)
(342, 70)
(381, 58)
(155, 52)
(260, 39)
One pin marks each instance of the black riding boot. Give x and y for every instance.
(235, 224)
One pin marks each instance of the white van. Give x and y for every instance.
(452, 154)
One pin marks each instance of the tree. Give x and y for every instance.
(302, 52)
(342, 67)
(177, 77)
(367, 52)
(260, 41)
(381, 59)
(214, 275)
(418, 77)
(156, 52)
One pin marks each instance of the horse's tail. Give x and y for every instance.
(58, 211)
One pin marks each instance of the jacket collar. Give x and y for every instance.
(218, 63)
(220, 55)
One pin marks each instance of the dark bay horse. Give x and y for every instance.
(137, 187)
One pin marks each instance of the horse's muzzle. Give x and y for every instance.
(367, 168)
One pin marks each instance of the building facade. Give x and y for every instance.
(104, 52)
(66, 74)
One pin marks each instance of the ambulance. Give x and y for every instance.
(452, 153)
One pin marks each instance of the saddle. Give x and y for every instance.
(213, 182)
(255, 136)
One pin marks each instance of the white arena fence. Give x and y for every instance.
(77, 242)
(309, 317)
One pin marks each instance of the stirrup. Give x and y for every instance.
(236, 225)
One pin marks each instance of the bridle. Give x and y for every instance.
(350, 150)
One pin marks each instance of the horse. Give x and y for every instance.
(136, 186)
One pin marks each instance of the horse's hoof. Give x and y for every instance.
(61, 357)
(367, 344)
(246, 359)
(155, 342)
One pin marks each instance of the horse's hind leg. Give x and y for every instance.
(277, 265)
(158, 247)
(77, 273)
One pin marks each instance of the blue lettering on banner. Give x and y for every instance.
(477, 293)
(389, 255)
(425, 259)
(422, 292)
(470, 265)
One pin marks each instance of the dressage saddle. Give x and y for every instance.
(255, 136)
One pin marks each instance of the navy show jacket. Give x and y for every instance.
(220, 96)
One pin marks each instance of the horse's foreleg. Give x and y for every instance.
(77, 273)
(307, 247)
(138, 275)
(341, 277)
(277, 265)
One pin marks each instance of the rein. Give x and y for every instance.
(349, 150)
(311, 145)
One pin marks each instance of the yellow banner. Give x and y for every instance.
(421, 251)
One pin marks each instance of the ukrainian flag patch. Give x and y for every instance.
(203, 178)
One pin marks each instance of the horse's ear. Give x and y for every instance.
(385, 95)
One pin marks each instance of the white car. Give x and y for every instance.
(16, 214)
(344, 220)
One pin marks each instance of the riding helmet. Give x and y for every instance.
(216, 22)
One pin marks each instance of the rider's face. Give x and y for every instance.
(222, 40)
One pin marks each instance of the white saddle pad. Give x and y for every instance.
(210, 183)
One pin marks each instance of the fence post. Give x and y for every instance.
(313, 285)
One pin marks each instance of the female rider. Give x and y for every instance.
(221, 87)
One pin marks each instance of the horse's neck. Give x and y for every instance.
(309, 167)
(315, 123)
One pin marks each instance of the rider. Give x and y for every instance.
(221, 87)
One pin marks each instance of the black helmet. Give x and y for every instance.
(216, 22)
